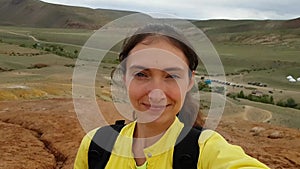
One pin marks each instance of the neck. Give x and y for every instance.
(147, 134)
(151, 130)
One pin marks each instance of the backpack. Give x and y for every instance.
(186, 152)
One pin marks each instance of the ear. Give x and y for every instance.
(191, 81)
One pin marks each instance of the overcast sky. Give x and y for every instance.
(200, 9)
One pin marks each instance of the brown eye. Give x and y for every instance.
(173, 76)
(140, 75)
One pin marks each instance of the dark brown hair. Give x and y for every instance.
(161, 31)
(189, 113)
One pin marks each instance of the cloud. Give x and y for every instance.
(201, 9)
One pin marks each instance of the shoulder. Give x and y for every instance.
(86, 140)
(209, 136)
(89, 136)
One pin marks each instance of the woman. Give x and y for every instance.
(159, 65)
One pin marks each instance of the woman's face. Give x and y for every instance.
(157, 80)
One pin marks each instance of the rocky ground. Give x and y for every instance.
(45, 134)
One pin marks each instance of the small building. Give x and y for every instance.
(207, 81)
(257, 93)
(292, 80)
(289, 77)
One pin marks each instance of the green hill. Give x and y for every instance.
(35, 13)
(38, 14)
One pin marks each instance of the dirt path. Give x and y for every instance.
(256, 114)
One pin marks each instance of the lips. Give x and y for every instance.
(156, 107)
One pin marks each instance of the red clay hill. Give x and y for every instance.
(46, 134)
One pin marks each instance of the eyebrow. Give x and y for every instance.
(169, 69)
(138, 67)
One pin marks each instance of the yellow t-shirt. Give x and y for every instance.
(144, 166)
(215, 151)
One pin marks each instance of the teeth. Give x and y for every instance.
(158, 106)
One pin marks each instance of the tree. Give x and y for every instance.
(250, 97)
(35, 45)
(290, 102)
(271, 100)
(241, 94)
(281, 103)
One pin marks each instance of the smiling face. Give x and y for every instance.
(157, 80)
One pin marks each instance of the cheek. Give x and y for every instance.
(177, 97)
(179, 92)
(176, 92)
(135, 91)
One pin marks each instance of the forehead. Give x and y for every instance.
(157, 53)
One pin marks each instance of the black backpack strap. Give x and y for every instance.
(186, 150)
(104, 137)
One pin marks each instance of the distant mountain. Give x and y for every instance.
(233, 26)
(269, 32)
(294, 23)
(35, 13)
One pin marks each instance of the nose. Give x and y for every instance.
(156, 96)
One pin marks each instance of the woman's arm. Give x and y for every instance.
(217, 153)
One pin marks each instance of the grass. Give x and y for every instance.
(281, 116)
(268, 64)
(19, 66)
(255, 61)
(261, 63)
(61, 35)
